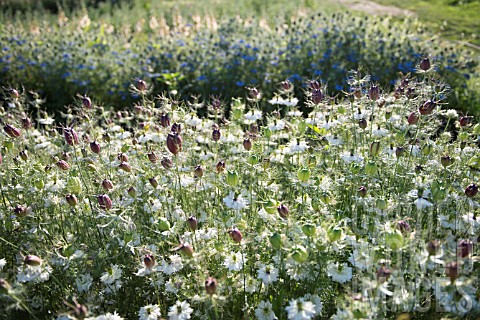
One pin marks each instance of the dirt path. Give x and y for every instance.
(375, 8)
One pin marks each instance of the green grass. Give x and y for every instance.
(451, 19)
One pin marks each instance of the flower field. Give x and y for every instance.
(366, 207)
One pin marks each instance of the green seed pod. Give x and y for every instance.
(394, 240)
(163, 224)
(232, 178)
(276, 240)
(309, 230)
(303, 174)
(371, 168)
(253, 159)
(271, 206)
(334, 233)
(375, 148)
(299, 254)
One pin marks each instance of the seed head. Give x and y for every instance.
(425, 64)
(198, 172)
(452, 271)
(105, 202)
(211, 285)
(413, 118)
(71, 136)
(26, 123)
(166, 163)
(124, 166)
(107, 184)
(165, 120)
(32, 260)
(174, 143)
(152, 157)
(236, 235)
(247, 144)
(95, 147)
(12, 131)
(71, 200)
(216, 134)
(383, 273)
(153, 182)
(62, 164)
(192, 223)
(149, 261)
(471, 191)
(464, 248)
(220, 166)
(283, 211)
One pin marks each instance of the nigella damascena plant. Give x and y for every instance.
(471, 190)
(425, 64)
(167, 163)
(192, 223)
(125, 166)
(71, 136)
(427, 107)
(107, 184)
(32, 260)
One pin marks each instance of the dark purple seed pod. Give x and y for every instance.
(236, 235)
(86, 102)
(174, 143)
(254, 93)
(464, 248)
(465, 121)
(452, 271)
(211, 285)
(403, 226)
(413, 118)
(166, 163)
(220, 166)
(362, 123)
(383, 274)
(105, 202)
(425, 64)
(152, 157)
(141, 85)
(399, 152)
(131, 191)
(427, 107)
(317, 96)
(433, 247)
(198, 172)
(374, 92)
(71, 200)
(362, 191)
(122, 157)
(216, 135)
(95, 147)
(314, 85)
(23, 155)
(124, 166)
(176, 128)
(149, 261)
(107, 184)
(192, 223)
(247, 144)
(62, 164)
(446, 161)
(471, 191)
(20, 210)
(26, 123)
(283, 211)
(12, 131)
(286, 86)
(153, 182)
(71, 136)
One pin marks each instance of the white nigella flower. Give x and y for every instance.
(316, 301)
(149, 312)
(359, 115)
(277, 126)
(236, 203)
(299, 309)
(3, 262)
(333, 140)
(180, 311)
(339, 272)
(264, 311)
(451, 113)
(380, 132)
(285, 102)
(113, 274)
(108, 316)
(422, 203)
(253, 115)
(39, 273)
(83, 282)
(349, 158)
(294, 147)
(294, 113)
(268, 274)
(233, 261)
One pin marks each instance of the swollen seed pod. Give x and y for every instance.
(71, 136)
(166, 163)
(124, 166)
(374, 92)
(471, 191)
(71, 200)
(276, 240)
(413, 118)
(446, 161)
(403, 226)
(174, 143)
(464, 248)
(216, 135)
(362, 191)
(165, 120)
(131, 191)
(375, 148)
(23, 155)
(452, 271)
(20, 211)
(4, 286)
(192, 223)
(383, 273)
(104, 202)
(12, 131)
(26, 123)
(149, 261)
(107, 184)
(62, 164)
(247, 144)
(232, 178)
(362, 123)
(211, 285)
(153, 182)
(317, 96)
(236, 235)
(32, 260)
(141, 85)
(433, 247)
(425, 64)
(400, 152)
(198, 172)
(220, 167)
(95, 147)
(152, 157)
(122, 157)
(86, 102)
(427, 107)
(283, 211)
(465, 121)
(187, 250)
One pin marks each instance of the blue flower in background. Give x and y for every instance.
(240, 83)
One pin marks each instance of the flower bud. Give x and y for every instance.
(12, 131)
(32, 260)
(152, 157)
(71, 136)
(104, 202)
(362, 191)
(198, 172)
(433, 247)
(166, 163)
(276, 240)
(211, 285)
(253, 159)
(452, 271)
(220, 167)
(192, 223)
(165, 120)
(471, 191)
(62, 164)
(236, 235)
(286, 86)
(71, 200)
(232, 178)
(254, 93)
(216, 135)
(149, 261)
(383, 273)
(153, 182)
(425, 64)
(303, 174)
(125, 167)
(464, 248)
(174, 143)
(283, 211)
(413, 118)
(95, 147)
